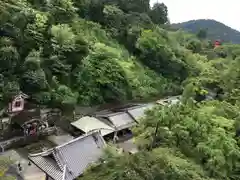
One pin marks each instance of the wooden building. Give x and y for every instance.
(68, 161)
(15, 106)
(21, 115)
(17, 103)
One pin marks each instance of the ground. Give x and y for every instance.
(28, 172)
(20, 156)
(31, 172)
(128, 146)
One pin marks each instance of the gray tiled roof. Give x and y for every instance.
(122, 120)
(77, 155)
(138, 112)
(48, 165)
(119, 120)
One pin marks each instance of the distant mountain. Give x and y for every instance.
(215, 29)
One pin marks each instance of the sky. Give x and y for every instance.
(225, 11)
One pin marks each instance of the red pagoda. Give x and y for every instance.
(217, 43)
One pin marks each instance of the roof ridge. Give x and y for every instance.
(44, 153)
(22, 94)
(51, 150)
(78, 138)
(110, 114)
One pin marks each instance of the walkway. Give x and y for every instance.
(28, 172)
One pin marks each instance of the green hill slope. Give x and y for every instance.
(64, 53)
(69, 52)
(215, 29)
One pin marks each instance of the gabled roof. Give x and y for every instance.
(22, 95)
(120, 120)
(76, 155)
(87, 124)
(138, 112)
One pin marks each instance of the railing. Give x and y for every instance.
(22, 140)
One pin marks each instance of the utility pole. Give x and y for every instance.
(156, 131)
(154, 136)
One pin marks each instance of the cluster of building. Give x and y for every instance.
(69, 160)
(21, 117)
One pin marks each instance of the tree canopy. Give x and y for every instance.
(64, 53)
(215, 30)
(84, 51)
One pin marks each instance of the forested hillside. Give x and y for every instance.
(196, 139)
(68, 52)
(215, 30)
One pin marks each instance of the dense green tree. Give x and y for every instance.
(159, 13)
(191, 141)
(69, 52)
(101, 74)
(202, 34)
(129, 6)
(162, 163)
(215, 30)
(204, 134)
(194, 45)
(155, 52)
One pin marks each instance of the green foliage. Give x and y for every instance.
(68, 52)
(47, 48)
(10, 89)
(163, 163)
(4, 165)
(33, 81)
(194, 45)
(215, 30)
(221, 52)
(139, 6)
(100, 78)
(145, 83)
(202, 34)
(64, 97)
(156, 52)
(203, 133)
(159, 13)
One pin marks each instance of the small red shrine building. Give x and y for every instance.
(15, 106)
(17, 103)
(217, 43)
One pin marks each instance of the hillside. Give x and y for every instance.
(65, 53)
(79, 53)
(215, 29)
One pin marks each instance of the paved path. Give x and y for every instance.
(13, 171)
(128, 146)
(28, 172)
(33, 173)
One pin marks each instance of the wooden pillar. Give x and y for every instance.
(2, 125)
(115, 138)
(74, 115)
(47, 177)
(2, 149)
